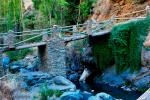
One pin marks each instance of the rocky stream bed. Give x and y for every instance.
(26, 82)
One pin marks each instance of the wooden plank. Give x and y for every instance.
(145, 96)
(31, 45)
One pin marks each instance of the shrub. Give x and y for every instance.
(45, 92)
(19, 54)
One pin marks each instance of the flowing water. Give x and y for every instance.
(117, 93)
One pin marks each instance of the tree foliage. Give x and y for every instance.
(11, 11)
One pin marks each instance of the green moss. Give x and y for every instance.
(126, 43)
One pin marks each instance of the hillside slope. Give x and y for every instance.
(104, 9)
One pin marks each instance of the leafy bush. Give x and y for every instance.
(126, 43)
(45, 92)
(19, 54)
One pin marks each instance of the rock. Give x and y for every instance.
(140, 79)
(94, 98)
(61, 83)
(23, 85)
(101, 96)
(71, 96)
(33, 65)
(86, 95)
(127, 75)
(143, 83)
(125, 88)
(73, 77)
(14, 68)
(23, 70)
(30, 63)
(34, 78)
(145, 56)
(112, 78)
(75, 67)
(104, 96)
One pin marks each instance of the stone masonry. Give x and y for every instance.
(56, 57)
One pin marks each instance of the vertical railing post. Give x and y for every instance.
(75, 29)
(89, 32)
(9, 39)
(45, 36)
(55, 31)
(147, 10)
(112, 20)
(88, 28)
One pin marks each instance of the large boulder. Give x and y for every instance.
(61, 83)
(134, 80)
(34, 78)
(143, 83)
(101, 96)
(71, 96)
(30, 63)
(112, 78)
(15, 68)
(74, 77)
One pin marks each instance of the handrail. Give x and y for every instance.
(28, 39)
(131, 13)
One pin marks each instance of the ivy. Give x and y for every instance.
(126, 43)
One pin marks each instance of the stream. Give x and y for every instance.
(115, 92)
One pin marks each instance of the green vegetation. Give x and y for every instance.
(19, 54)
(45, 92)
(126, 43)
(11, 10)
(44, 14)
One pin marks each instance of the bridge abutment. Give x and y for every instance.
(56, 57)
